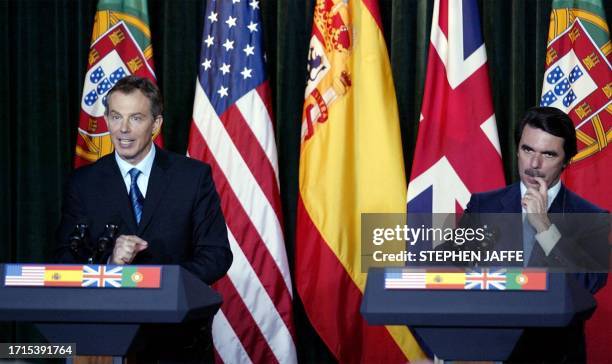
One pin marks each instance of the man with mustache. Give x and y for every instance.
(546, 141)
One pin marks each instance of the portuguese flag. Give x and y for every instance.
(525, 280)
(120, 46)
(141, 277)
(579, 46)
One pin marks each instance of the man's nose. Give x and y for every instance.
(125, 126)
(536, 161)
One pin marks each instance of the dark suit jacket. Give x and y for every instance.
(582, 250)
(583, 247)
(182, 219)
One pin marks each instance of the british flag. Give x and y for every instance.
(100, 276)
(457, 151)
(486, 279)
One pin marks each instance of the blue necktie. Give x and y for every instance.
(135, 195)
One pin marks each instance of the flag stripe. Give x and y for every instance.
(248, 285)
(242, 227)
(248, 144)
(238, 315)
(352, 339)
(228, 346)
(255, 113)
(240, 179)
(264, 90)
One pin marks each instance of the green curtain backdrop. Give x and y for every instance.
(44, 46)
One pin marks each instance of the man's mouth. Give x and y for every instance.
(125, 142)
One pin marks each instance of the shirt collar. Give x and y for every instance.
(552, 192)
(144, 166)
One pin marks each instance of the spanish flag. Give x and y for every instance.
(350, 163)
(64, 275)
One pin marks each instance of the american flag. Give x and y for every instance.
(405, 279)
(102, 276)
(485, 279)
(232, 130)
(24, 275)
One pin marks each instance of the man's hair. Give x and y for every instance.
(129, 84)
(553, 121)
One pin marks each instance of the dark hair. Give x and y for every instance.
(128, 84)
(553, 121)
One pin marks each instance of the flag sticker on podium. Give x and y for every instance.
(141, 277)
(86, 276)
(102, 276)
(499, 279)
(64, 275)
(24, 275)
(518, 279)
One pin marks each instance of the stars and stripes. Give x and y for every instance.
(232, 131)
(405, 279)
(24, 275)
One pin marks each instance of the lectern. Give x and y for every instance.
(106, 321)
(474, 325)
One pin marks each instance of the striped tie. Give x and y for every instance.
(135, 195)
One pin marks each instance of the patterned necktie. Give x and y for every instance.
(528, 240)
(135, 195)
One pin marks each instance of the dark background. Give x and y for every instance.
(43, 56)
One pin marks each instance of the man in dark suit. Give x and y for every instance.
(165, 205)
(567, 231)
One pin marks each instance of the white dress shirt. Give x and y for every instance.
(144, 166)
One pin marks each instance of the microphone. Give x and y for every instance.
(79, 238)
(106, 239)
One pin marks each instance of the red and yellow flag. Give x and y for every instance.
(120, 46)
(64, 275)
(350, 163)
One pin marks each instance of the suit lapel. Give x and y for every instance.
(158, 182)
(511, 201)
(512, 223)
(116, 191)
(559, 201)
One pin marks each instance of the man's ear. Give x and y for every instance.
(157, 123)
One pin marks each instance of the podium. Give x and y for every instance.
(473, 324)
(86, 315)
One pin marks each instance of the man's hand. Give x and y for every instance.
(126, 248)
(535, 203)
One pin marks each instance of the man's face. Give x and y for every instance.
(540, 154)
(131, 125)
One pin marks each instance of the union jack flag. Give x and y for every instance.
(486, 279)
(457, 151)
(102, 276)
